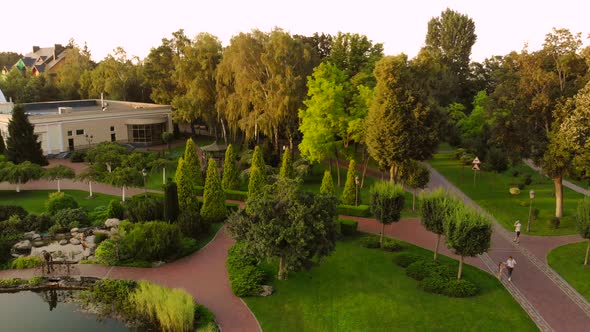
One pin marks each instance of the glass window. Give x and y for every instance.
(112, 128)
(69, 133)
(79, 131)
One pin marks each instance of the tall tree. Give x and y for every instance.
(287, 170)
(349, 193)
(435, 209)
(59, 172)
(22, 143)
(287, 223)
(450, 38)
(399, 123)
(192, 164)
(9, 58)
(327, 187)
(213, 209)
(171, 210)
(76, 62)
(187, 192)
(387, 203)
(257, 179)
(468, 233)
(230, 171)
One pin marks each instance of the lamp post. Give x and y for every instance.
(144, 174)
(88, 139)
(532, 197)
(356, 187)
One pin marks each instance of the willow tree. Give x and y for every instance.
(400, 122)
(57, 173)
(20, 173)
(261, 84)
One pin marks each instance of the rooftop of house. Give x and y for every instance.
(42, 58)
(87, 105)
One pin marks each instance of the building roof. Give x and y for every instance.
(43, 58)
(88, 105)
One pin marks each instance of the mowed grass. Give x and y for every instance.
(34, 200)
(568, 261)
(360, 289)
(491, 191)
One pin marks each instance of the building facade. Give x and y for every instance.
(79, 124)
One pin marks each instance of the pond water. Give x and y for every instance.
(50, 310)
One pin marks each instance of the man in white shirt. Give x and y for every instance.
(517, 226)
(510, 263)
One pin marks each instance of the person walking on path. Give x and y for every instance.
(517, 226)
(501, 268)
(510, 263)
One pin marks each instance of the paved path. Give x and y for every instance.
(566, 183)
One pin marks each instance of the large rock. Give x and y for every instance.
(36, 237)
(74, 230)
(63, 242)
(112, 222)
(23, 245)
(74, 241)
(29, 235)
(38, 244)
(90, 239)
(266, 290)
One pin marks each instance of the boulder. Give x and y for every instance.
(112, 222)
(29, 235)
(74, 230)
(63, 242)
(90, 239)
(266, 290)
(36, 237)
(23, 245)
(74, 241)
(38, 244)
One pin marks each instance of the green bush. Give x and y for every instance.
(11, 282)
(142, 208)
(12, 226)
(152, 241)
(404, 259)
(35, 281)
(60, 201)
(205, 320)
(460, 288)
(434, 284)
(6, 243)
(115, 210)
(528, 180)
(371, 242)
(191, 224)
(67, 219)
(36, 222)
(107, 252)
(99, 237)
(77, 156)
(26, 262)
(554, 223)
(8, 210)
(236, 195)
(245, 277)
(356, 211)
(392, 245)
(348, 227)
(422, 269)
(496, 160)
(349, 192)
(113, 296)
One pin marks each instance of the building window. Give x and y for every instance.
(147, 134)
(112, 128)
(79, 131)
(69, 133)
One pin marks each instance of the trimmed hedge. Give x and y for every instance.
(347, 226)
(26, 262)
(392, 245)
(436, 278)
(245, 277)
(371, 242)
(236, 195)
(404, 259)
(423, 269)
(355, 211)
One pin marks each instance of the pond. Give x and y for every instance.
(50, 310)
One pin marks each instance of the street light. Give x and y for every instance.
(532, 197)
(88, 139)
(144, 174)
(356, 195)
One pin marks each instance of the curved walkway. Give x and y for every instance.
(566, 183)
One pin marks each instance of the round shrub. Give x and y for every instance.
(60, 201)
(404, 259)
(26, 262)
(371, 242)
(6, 211)
(422, 269)
(434, 284)
(11, 227)
(460, 288)
(77, 156)
(36, 222)
(392, 245)
(514, 191)
(115, 210)
(142, 208)
(153, 241)
(106, 252)
(69, 218)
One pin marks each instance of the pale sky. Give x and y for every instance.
(501, 25)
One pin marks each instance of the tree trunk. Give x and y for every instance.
(365, 166)
(587, 252)
(414, 199)
(382, 234)
(18, 186)
(392, 174)
(282, 273)
(558, 182)
(58, 186)
(164, 175)
(90, 187)
(437, 244)
(337, 166)
(460, 267)
(123, 194)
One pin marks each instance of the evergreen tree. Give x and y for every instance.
(349, 193)
(287, 170)
(327, 187)
(170, 202)
(2, 145)
(187, 193)
(22, 144)
(213, 209)
(258, 160)
(230, 171)
(192, 164)
(257, 178)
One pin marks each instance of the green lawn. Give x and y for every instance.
(34, 200)
(568, 261)
(491, 191)
(359, 289)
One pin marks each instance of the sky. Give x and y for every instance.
(501, 25)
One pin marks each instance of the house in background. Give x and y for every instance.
(41, 60)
